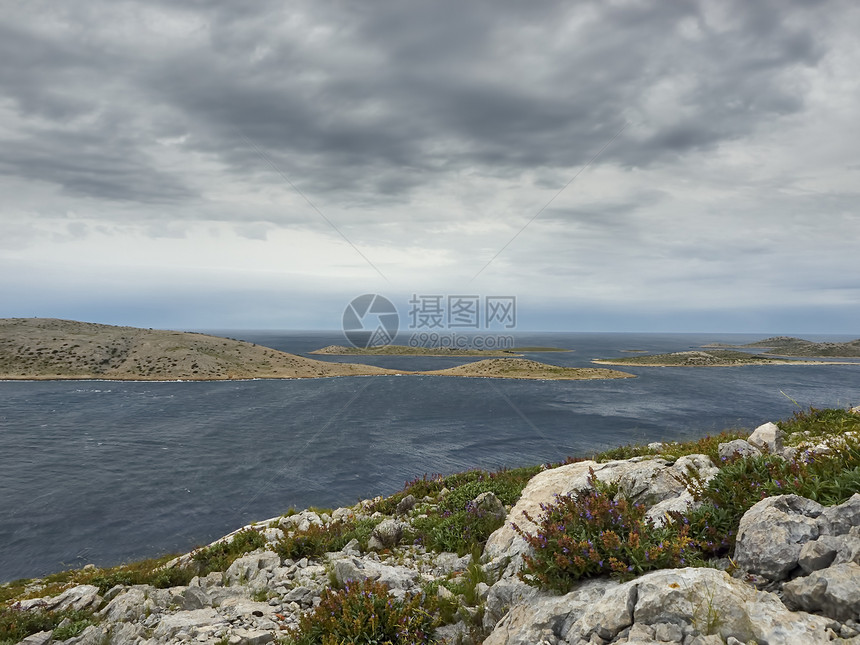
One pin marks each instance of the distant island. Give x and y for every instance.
(522, 368)
(53, 349)
(405, 350)
(709, 358)
(798, 347)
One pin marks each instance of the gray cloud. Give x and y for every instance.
(441, 128)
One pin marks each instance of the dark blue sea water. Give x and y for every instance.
(104, 472)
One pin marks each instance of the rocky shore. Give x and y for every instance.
(793, 576)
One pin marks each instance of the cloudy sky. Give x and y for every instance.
(623, 166)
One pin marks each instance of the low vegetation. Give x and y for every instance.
(218, 557)
(317, 540)
(598, 532)
(17, 625)
(459, 525)
(364, 612)
(595, 533)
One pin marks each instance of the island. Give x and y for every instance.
(521, 368)
(798, 347)
(50, 349)
(406, 350)
(709, 358)
(54, 349)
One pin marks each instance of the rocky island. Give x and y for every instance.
(791, 346)
(405, 350)
(521, 368)
(709, 358)
(708, 542)
(48, 348)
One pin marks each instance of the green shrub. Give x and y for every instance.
(814, 423)
(591, 533)
(220, 556)
(708, 445)
(458, 525)
(457, 531)
(828, 479)
(317, 540)
(16, 625)
(364, 613)
(431, 485)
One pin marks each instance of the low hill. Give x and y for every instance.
(48, 348)
(714, 358)
(522, 368)
(799, 347)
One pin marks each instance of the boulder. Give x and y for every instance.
(839, 519)
(121, 633)
(649, 482)
(738, 447)
(342, 514)
(169, 626)
(385, 535)
(818, 554)
(768, 436)
(703, 603)
(252, 636)
(405, 505)
(40, 638)
(92, 635)
(544, 615)
(658, 514)
(487, 504)
(502, 596)
(713, 603)
(355, 569)
(248, 567)
(834, 592)
(74, 599)
(772, 533)
(606, 617)
(300, 521)
(195, 598)
(238, 607)
(128, 606)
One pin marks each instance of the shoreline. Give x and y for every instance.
(601, 361)
(36, 379)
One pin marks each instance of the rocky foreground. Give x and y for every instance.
(794, 577)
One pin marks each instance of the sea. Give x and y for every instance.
(106, 472)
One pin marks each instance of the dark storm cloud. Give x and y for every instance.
(375, 99)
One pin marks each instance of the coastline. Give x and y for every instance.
(601, 361)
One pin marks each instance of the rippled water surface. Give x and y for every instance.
(100, 471)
